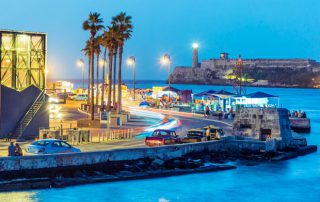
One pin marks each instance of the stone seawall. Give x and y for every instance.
(13, 164)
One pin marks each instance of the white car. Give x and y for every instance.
(50, 146)
(80, 97)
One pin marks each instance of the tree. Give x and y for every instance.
(109, 39)
(94, 25)
(97, 51)
(87, 52)
(124, 26)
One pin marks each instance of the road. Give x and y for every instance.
(179, 120)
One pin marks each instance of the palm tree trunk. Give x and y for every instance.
(119, 80)
(114, 76)
(97, 80)
(89, 75)
(103, 76)
(92, 77)
(110, 80)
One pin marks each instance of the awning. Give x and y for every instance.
(167, 88)
(260, 94)
(205, 93)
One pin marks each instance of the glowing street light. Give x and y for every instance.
(131, 62)
(81, 64)
(165, 60)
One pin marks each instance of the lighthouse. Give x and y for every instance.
(195, 47)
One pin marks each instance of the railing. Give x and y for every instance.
(109, 135)
(29, 115)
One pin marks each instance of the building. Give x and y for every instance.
(23, 59)
(274, 72)
(23, 64)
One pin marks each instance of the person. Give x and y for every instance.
(207, 111)
(18, 150)
(11, 149)
(220, 115)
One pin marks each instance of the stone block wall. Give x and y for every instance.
(9, 164)
(262, 123)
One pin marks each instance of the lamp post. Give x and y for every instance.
(165, 60)
(81, 64)
(132, 62)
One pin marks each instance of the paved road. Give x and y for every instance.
(186, 122)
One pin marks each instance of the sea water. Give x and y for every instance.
(291, 180)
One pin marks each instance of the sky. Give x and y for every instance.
(252, 28)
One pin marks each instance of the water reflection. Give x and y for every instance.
(25, 196)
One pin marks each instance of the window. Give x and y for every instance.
(55, 144)
(40, 143)
(64, 144)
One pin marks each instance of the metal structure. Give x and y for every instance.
(23, 59)
(238, 85)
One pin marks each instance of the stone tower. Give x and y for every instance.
(195, 47)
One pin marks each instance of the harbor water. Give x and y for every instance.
(291, 180)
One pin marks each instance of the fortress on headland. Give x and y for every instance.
(260, 72)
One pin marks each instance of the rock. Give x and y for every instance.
(157, 163)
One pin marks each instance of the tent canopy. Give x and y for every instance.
(205, 93)
(223, 92)
(167, 88)
(260, 94)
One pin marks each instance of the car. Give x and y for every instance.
(213, 132)
(161, 137)
(195, 135)
(144, 104)
(50, 146)
(80, 97)
(54, 99)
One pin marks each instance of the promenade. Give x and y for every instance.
(141, 123)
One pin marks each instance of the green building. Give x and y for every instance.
(23, 58)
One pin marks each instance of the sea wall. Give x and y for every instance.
(12, 164)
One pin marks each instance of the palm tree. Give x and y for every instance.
(115, 54)
(104, 44)
(108, 42)
(87, 51)
(124, 26)
(94, 25)
(97, 51)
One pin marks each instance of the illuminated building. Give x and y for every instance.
(23, 59)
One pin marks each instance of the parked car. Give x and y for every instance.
(162, 137)
(195, 135)
(80, 97)
(213, 132)
(50, 146)
(144, 104)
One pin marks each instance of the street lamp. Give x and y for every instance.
(165, 60)
(81, 64)
(131, 61)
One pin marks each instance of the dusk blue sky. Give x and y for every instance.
(254, 28)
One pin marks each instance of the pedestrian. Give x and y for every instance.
(18, 150)
(207, 111)
(220, 115)
(11, 149)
